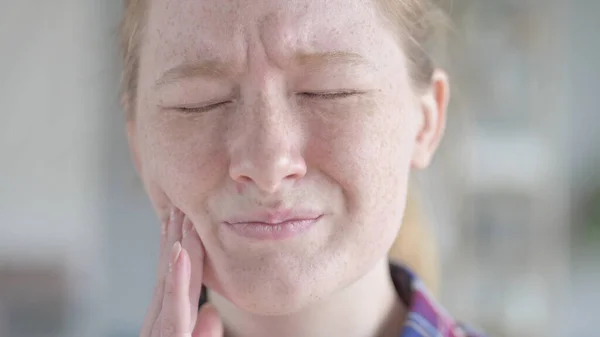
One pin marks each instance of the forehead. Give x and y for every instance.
(186, 30)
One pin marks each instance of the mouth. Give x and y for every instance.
(278, 225)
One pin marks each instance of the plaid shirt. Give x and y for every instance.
(426, 318)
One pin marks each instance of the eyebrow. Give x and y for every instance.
(216, 69)
(208, 69)
(325, 58)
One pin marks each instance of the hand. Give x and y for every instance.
(173, 311)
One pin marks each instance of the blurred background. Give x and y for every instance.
(514, 194)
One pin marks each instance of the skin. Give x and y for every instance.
(308, 105)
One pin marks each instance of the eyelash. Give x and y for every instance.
(329, 95)
(201, 109)
(321, 95)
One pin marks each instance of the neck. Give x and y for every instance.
(369, 307)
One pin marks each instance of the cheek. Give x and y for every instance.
(181, 158)
(368, 154)
(367, 151)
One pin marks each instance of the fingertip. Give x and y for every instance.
(174, 226)
(175, 252)
(192, 241)
(185, 263)
(177, 216)
(187, 225)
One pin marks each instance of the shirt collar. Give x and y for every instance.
(426, 318)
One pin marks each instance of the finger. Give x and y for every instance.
(168, 238)
(173, 235)
(208, 323)
(192, 243)
(175, 313)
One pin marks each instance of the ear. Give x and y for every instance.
(131, 131)
(433, 104)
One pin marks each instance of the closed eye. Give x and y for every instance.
(330, 95)
(319, 95)
(201, 109)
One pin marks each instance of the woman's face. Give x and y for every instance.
(251, 113)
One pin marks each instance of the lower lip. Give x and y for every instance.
(264, 231)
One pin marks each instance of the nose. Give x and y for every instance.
(268, 152)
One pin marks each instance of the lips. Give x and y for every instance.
(278, 217)
(273, 225)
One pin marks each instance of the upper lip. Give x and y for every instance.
(274, 217)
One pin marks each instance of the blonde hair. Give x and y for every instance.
(414, 21)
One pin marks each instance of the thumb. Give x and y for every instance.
(208, 323)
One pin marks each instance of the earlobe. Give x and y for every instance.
(433, 105)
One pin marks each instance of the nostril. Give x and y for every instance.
(267, 173)
(293, 176)
(241, 181)
(244, 179)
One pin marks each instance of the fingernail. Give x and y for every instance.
(175, 251)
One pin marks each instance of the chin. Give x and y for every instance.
(273, 288)
(281, 277)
